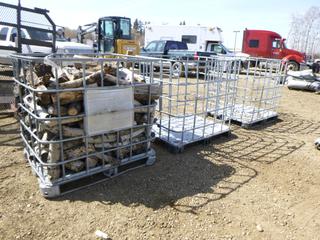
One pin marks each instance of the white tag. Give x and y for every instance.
(108, 109)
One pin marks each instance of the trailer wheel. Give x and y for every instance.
(293, 66)
(177, 69)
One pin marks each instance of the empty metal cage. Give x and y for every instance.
(258, 90)
(205, 85)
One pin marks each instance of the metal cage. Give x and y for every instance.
(258, 91)
(106, 132)
(205, 86)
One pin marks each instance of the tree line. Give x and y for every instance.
(304, 34)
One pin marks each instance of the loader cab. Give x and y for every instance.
(111, 29)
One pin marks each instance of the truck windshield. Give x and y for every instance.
(39, 35)
(218, 48)
(107, 28)
(276, 43)
(116, 28)
(125, 28)
(34, 34)
(284, 45)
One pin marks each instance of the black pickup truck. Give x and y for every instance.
(178, 54)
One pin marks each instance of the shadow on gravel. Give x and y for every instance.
(201, 174)
(9, 132)
(291, 124)
(171, 178)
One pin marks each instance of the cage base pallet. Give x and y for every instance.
(58, 189)
(247, 116)
(199, 129)
(247, 125)
(175, 148)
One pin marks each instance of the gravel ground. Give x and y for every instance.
(261, 183)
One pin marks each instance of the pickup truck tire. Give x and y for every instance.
(293, 66)
(244, 66)
(177, 69)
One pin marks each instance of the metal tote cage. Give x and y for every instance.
(205, 86)
(85, 117)
(258, 91)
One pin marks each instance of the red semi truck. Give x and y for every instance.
(268, 44)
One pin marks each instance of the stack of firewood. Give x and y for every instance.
(62, 115)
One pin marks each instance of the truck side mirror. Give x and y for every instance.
(13, 37)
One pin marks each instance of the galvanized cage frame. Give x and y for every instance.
(32, 135)
(189, 116)
(258, 91)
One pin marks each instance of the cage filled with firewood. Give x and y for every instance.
(85, 117)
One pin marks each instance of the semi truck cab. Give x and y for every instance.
(268, 44)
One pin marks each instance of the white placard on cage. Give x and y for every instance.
(108, 109)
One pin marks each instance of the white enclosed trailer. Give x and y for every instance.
(198, 38)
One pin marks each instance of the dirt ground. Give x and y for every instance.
(261, 183)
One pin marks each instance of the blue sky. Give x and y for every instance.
(229, 15)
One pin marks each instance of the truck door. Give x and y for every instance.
(106, 38)
(216, 48)
(12, 39)
(31, 35)
(276, 50)
(151, 50)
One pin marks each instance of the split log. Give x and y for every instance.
(130, 76)
(68, 131)
(43, 70)
(105, 145)
(32, 78)
(43, 96)
(141, 92)
(53, 172)
(74, 109)
(69, 74)
(80, 165)
(137, 139)
(72, 144)
(72, 132)
(123, 73)
(139, 108)
(124, 140)
(107, 138)
(135, 134)
(78, 151)
(53, 110)
(64, 77)
(49, 124)
(110, 80)
(50, 153)
(141, 118)
(136, 149)
(108, 159)
(93, 78)
(67, 97)
(38, 110)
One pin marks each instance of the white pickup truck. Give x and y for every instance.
(8, 35)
